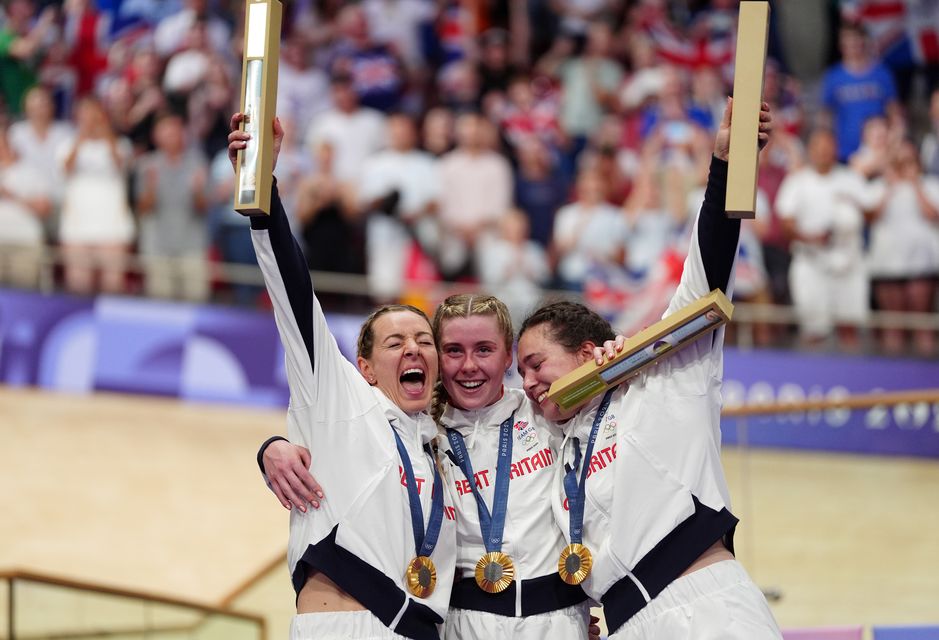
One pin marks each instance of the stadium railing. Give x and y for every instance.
(34, 605)
(747, 316)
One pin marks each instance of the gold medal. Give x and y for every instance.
(421, 576)
(495, 572)
(575, 563)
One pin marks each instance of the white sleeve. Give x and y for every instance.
(710, 264)
(713, 248)
(318, 375)
(565, 224)
(787, 198)
(373, 181)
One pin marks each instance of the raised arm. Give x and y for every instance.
(286, 276)
(713, 249)
(313, 357)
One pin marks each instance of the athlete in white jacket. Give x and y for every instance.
(377, 559)
(474, 337)
(502, 456)
(642, 494)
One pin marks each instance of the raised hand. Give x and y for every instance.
(238, 140)
(722, 139)
(609, 349)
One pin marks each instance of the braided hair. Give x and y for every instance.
(465, 305)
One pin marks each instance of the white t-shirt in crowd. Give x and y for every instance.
(185, 70)
(413, 173)
(34, 149)
(475, 188)
(515, 273)
(302, 94)
(903, 241)
(600, 234)
(831, 202)
(170, 33)
(354, 137)
(396, 23)
(19, 225)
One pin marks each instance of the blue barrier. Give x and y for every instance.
(229, 355)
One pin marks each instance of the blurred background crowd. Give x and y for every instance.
(516, 145)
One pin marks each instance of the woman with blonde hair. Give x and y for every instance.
(503, 458)
(96, 227)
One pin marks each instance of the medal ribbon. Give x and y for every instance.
(492, 525)
(424, 542)
(576, 493)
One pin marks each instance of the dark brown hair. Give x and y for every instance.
(570, 324)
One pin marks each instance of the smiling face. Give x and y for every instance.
(541, 361)
(473, 360)
(553, 341)
(402, 359)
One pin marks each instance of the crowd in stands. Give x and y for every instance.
(520, 145)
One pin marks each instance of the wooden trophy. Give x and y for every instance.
(643, 350)
(752, 33)
(255, 164)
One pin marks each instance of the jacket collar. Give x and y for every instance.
(466, 422)
(410, 426)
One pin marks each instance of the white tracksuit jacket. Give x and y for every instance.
(361, 537)
(530, 537)
(659, 446)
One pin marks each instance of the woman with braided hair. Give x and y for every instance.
(503, 457)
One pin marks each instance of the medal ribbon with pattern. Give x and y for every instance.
(421, 574)
(495, 570)
(576, 561)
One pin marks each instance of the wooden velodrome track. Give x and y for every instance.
(165, 497)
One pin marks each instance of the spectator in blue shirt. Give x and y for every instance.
(856, 89)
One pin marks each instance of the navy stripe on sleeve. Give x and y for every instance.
(264, 447)
(292, 265)
(717, 234)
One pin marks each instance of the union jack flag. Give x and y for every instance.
(903, 31)
(632, 302)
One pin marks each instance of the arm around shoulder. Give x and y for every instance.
(285, 468)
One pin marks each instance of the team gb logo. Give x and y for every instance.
(526, 435)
